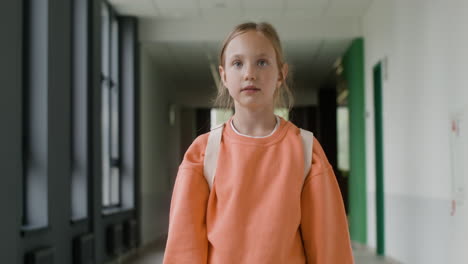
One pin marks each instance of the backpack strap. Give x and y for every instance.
(307, 143)
(211, 154)
(214, 142)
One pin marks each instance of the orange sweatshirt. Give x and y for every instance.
(260, 210)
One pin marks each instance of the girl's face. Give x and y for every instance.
(250, 70)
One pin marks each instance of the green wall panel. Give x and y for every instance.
(353, 64)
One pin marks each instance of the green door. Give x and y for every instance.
(379, 165)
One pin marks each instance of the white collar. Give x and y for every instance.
(239, 133)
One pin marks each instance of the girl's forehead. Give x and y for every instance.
(250, 43)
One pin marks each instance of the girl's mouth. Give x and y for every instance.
(250, 89)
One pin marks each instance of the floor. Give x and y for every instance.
(362, 256)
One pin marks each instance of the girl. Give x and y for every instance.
(259, 209)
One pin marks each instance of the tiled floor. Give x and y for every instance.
(362, 256)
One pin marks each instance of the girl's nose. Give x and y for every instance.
(250, 73)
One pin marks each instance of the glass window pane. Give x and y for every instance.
(115, 124)
(105, 145)
(35, 211)
(105, 16)
(79, 130)
(115, 186)
(115, 51)
(115, 104)
(111, 106)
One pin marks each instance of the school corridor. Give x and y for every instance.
(100, 99)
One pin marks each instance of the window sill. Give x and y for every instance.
(27, 230)
(78, 220)
(116, 210)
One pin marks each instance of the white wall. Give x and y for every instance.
(425, 43)
(157, 140)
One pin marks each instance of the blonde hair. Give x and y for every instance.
(283, 96)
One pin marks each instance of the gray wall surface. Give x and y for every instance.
(10, 138)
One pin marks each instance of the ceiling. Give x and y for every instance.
(183, 36)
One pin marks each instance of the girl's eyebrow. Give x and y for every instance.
(236, 56)
(262, 55)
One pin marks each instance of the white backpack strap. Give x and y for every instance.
(307, 143)
(211, 154)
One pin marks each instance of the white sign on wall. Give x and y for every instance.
(459, 158)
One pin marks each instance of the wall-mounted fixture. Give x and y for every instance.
(172, 114)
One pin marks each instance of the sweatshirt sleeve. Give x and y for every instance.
(324, 226)
(187, 239)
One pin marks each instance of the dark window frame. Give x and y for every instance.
(111, 80)
(80, 113)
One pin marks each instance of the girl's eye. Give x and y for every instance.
(237, 64)
(262, 63)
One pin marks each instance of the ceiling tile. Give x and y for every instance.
(354, 8)
(220, 13)
(263, 4)
(303, 13)
(179, 12)
(184, 4)
(306, 3)
(141, 8)
(220, 4)
(259, 14)
(126, 2)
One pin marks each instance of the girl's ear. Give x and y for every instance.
(284, 73)
(222, 74)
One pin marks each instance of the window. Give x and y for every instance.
(79, 103)
(283, 112)
(219, 116)
(342, 119)
(111, 108)
(35, 93)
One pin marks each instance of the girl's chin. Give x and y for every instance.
(250, 104)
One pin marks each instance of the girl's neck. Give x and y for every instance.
(254, 123)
